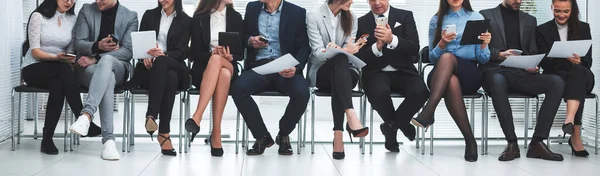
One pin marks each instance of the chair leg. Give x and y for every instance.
(186, 143)
(35, 114)
(596, 125)
(299, 141)
(312, 123)
(423, 141)
(431, 140)
(363, 115)
(181, 112)
(12, 118)
(472, 118)
(125, 114)
(132, 123)
(19, 121)
(66, 126)
(237, 133)
(526, 124)
(304, 132)
(371, 132)
(243, 133)
(487, 122)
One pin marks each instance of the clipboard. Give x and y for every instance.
(233, 40)
(141, 42)
(473, 29)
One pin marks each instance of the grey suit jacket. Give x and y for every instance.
(87, 29)
(319, 30)
(527, 27)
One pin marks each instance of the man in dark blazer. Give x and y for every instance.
(513, 30)
(389, 54)
(283, 26)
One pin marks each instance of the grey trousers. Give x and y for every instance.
(101, 79)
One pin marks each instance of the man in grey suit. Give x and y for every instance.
(103, 44)
(513, 33)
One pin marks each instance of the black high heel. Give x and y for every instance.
(356, 133)
(568, 128)
(337, 155)
(583, 153)
(471, 156)
(170, 152)
(214, 151)
(422, 123)
(151, 126)
(190, 126)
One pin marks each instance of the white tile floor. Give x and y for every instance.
(145, 159)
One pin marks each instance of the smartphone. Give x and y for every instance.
(381, 21)
(114, 38)
(363, 37)
(516, 51)
(70, 55)
(263, 39)
(451, 28)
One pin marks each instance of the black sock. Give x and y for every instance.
(511, 140)
(537, 139)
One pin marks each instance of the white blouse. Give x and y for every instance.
(563, 31)
(217, 24)
(47, 35)
(165, 25)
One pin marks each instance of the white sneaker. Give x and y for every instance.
(109, 151)
(81, 126)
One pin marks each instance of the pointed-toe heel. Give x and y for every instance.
(422, 123)
(192, 127)
(151, 126)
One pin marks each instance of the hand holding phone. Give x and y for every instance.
(381, 21)
(450, 28)
(114, 39)
(516, 51)
(263, 39)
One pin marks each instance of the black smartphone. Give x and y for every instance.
(263, 39)
(114, 38)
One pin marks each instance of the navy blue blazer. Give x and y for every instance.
(292, 32)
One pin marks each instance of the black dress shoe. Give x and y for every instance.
(408, 130)
(539, 150)
(47, 145)
(285, 147)
(511, 151)
(390, 131)
(260, 145)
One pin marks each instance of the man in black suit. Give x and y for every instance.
(514, 30)
(389, 55)
(282, 25)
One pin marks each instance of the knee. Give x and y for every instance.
(375, 91)
(340, 59)
(418, 93)
(496, 81)
(215, 59)
(556, 83)
(240, 88)
(225, 74)
(299, 92)
(55, 84)
(577, 70)
(447, 57)
(106, 62)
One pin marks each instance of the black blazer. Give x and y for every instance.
(527, 24)
(200, 47)
(178, 36)
(405, 54)
(547, 33)
(292, 33)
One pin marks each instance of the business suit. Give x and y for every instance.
(293, 40)
(333, 74)
(579, 79)
(498, 81)
(168, 73)
(379, 84)
(111, 70)
(200, 49)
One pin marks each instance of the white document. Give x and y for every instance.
(355, 61)
(142, 42)
(523, 62)
(277, 65)
(564, 49)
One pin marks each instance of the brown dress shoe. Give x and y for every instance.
(510, 152)
(540, 150)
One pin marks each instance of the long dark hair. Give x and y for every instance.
(442, 11)
(206, 6)
(178, 6)
(573, 20)
(345, 15)
(47, 9)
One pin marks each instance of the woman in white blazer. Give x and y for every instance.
(332, 25)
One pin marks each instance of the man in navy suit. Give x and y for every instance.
(273, 28)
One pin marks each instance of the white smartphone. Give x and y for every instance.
(516, 51)
(70, 55)
(381, 21)
(451, 28)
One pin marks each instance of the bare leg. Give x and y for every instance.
(353, 119)
(576, 139)
(456, 106)
(338, 141)
(209, 83)
(572, 106)
(219, 101)
(167, 145)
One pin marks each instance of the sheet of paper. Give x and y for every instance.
(564, 49)
(523, 62)
(142, 42)
(277, 65)
(355, 61)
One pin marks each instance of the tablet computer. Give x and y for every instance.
(233, 40)
(142, 42)
(473, 30)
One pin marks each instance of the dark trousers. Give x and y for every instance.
(250, 83)
(499, 82)
(336, 77)
(579, 81)
(378, 87)
(60, 79)
(162, 81)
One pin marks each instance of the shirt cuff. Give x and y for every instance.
(376, 52)
(394, 43)
(95, 48)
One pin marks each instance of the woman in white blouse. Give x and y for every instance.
(46, 65)
(214, 66)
